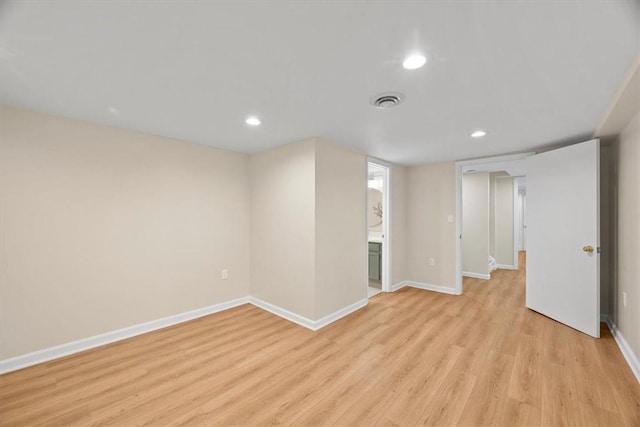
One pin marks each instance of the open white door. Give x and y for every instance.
(563, 217)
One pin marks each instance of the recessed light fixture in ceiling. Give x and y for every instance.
(414, 61)
(252, 121)
(387, 100)
(478, 134)
(114, 111)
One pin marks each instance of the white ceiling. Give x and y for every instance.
(531, 73)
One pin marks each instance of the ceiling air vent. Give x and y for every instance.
(386, 100)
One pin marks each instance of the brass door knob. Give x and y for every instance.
(588, 249)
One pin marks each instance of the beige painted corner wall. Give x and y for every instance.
(430, 193)
(492, 214)
(504, 205)
(341, 275)
(398, 224)
(628, 277)
(102, 229)
(283, 227)
(475, 223)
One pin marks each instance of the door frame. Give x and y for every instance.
(385, 263)
(459, 167)
(517, 219)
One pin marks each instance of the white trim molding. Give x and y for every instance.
(281, 312)
(426, 287)
(625, 348)
(47, 354)
(314, 325)
(476, 275)
(506, 267)
(397, 286)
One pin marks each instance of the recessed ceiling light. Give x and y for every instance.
(252, 121)
(414, 61)
(114, 111)
(478, 134)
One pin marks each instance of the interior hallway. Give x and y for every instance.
(477, 359)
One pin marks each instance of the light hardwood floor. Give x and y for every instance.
(411, 357)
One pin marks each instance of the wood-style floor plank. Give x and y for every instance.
(412, 357)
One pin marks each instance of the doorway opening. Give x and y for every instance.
(377, 217)
(490, 218)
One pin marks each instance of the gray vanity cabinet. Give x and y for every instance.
(375, 253)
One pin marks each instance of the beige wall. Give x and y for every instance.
(283, 227)
(398, 224)
(628, 318)
(308, 227)
(430, 200)
(340, 228)
(475, 223)
(492, 214)
(103, 228)
(503, 227)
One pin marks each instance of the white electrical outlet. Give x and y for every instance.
(624, 299)
(432, 262)
(224, 274)
(450, 218)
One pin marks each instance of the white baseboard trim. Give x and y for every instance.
(281, 312)
(435, 288)
(476, 275)
(604, 318)
(47, 354)
(625, 349)
(314, 325)
(398, 285)
(506, 267)
(332, 317)
(425, 286)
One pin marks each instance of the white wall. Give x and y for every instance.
(104, 228)
(283, 227)
(475, 223)
(504, 205)
(430, 201)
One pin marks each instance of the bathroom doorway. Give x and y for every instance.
(378, 227)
